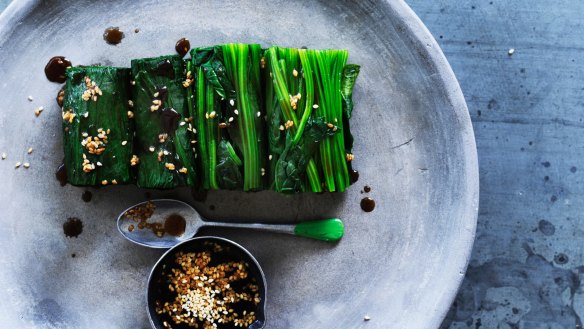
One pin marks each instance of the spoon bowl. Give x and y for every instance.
(160, 211)
(164, 209)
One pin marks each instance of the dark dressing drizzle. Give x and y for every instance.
(165, 69)
(162, 93)
(113, 35)
(55, 69)
(169, 119)
(182, 46)
(175, 224)
(367, 204)
(353, 176)
(72, 227)
(86, 196)
(61, 175)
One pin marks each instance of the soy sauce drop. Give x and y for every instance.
(182, 46)
(86, 196)
(175, 224)
(162, 93)
(169, 119)
(353, 176)
(72, 227)
(113, 35)
(55, 69)
(367, 204)
(367, 189)
(165, 69)
(61, 175)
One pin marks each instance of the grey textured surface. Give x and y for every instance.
(527, 111)
(400, 264)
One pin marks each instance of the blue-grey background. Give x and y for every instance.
(527, 110)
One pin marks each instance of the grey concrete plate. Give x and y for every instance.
(401, 264)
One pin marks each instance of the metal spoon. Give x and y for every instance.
(325, 230)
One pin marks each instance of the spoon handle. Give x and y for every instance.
(325, 230)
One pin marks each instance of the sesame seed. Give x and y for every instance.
(182, 123)
(282, 127)
(38, 111)
(98, 164)
(259, 114)
(366, 318)
(151, 148)
(124, 142)
(156, 94)
(130, 103)
(212, 115)
(133, 82)
(86, 114)
(26, 165)
(511, 52)
(84, 134)
(231, 102)
(270, 157)
(3, 156)
(29, 151)
(315, 106)
(30, 99)
(294, 73)
(17, 164)
(236, 112)
(230, 119)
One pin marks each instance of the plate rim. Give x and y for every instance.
(427, 44)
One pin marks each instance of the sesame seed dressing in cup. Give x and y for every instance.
(207, 281)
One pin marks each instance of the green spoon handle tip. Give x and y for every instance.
(325, 230)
